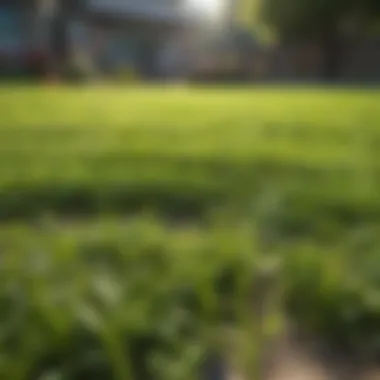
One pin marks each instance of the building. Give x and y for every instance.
(21, 49)
(147, 36)
(143, 34)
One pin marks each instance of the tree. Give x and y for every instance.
(320, 20)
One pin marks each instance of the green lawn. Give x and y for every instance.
(288, 175)
(91, 146)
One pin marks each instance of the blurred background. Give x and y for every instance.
(235, 40)
(189, 189)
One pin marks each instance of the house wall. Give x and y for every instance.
(150, 48)
(132, 33)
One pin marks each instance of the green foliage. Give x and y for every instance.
(139, 299)
(110, 300)
(299, 18)
(293, 174)
(313, 18)
(333, 293)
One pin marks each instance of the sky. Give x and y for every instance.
(210, 8)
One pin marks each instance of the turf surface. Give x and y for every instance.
(105, 149)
